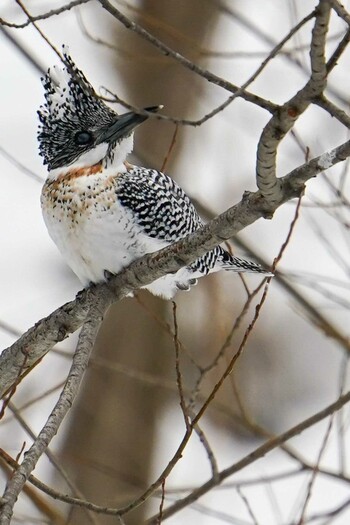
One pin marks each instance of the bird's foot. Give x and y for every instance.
(108, 275)
(185, 286)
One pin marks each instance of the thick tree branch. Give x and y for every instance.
(33, 345)
(284, 118)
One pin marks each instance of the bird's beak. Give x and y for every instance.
(124, 124)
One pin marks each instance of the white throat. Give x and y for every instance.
(96, 155)
(121, 151)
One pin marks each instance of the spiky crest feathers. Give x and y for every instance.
(71, 104)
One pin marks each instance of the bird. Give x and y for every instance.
(102, 212)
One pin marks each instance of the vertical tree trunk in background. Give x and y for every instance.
(110, 445)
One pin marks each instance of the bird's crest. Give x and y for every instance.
(71, 105)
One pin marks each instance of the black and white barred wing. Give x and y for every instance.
(165, 212)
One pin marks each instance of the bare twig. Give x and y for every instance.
(333, 110)
(52, 458)
(8, 464)
(29, 58)
(167, 51)
(161, 505)
(44, 16)
(340, 10)
(41, 33)
(253, 456)
(248, 506)
(315, 471)
(178, 371)
(227, 343)
(170, 149)
(20, 166)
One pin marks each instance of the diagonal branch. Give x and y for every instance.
(259, 452)
(44, 16)
(39, 339)
(341, 11)
(168, 51)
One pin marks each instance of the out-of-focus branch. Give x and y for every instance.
(20, 166)
(240, 90)
(22, 49)
(44, 16)
(259, 452)
(313, 314)
(167, 51)
(340, 10)
(34, 344)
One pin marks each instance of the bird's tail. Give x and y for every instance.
(235, 264)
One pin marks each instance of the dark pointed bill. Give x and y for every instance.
(123, 125)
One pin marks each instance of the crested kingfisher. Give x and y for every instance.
(101, 211)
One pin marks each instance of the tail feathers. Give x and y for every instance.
(213, 261)
(235, 264)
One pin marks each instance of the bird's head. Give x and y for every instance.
(77, 128)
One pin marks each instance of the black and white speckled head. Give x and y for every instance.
(77, 128)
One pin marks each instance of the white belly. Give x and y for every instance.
(94, 234)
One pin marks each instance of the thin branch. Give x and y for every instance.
(315, 471)
(329, 514)
(44, 16)
(340, 10)
(167, 51)
(208, 449)
(333, 110)
(58, 495)
(227, 343)
(258, 453)
(41, 33)
(23, 50)
(20, 166)
(8, 464)
(52, 458)
(178, 371)
(161, 505)
(170, 149)
(249, 330)
(248, 506)
(249, 23)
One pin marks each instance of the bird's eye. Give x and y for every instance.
(83, 138)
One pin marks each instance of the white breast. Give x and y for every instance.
(91, 229)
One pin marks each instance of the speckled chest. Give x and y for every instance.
(87, 220)
(72, 201)
(92, 229)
